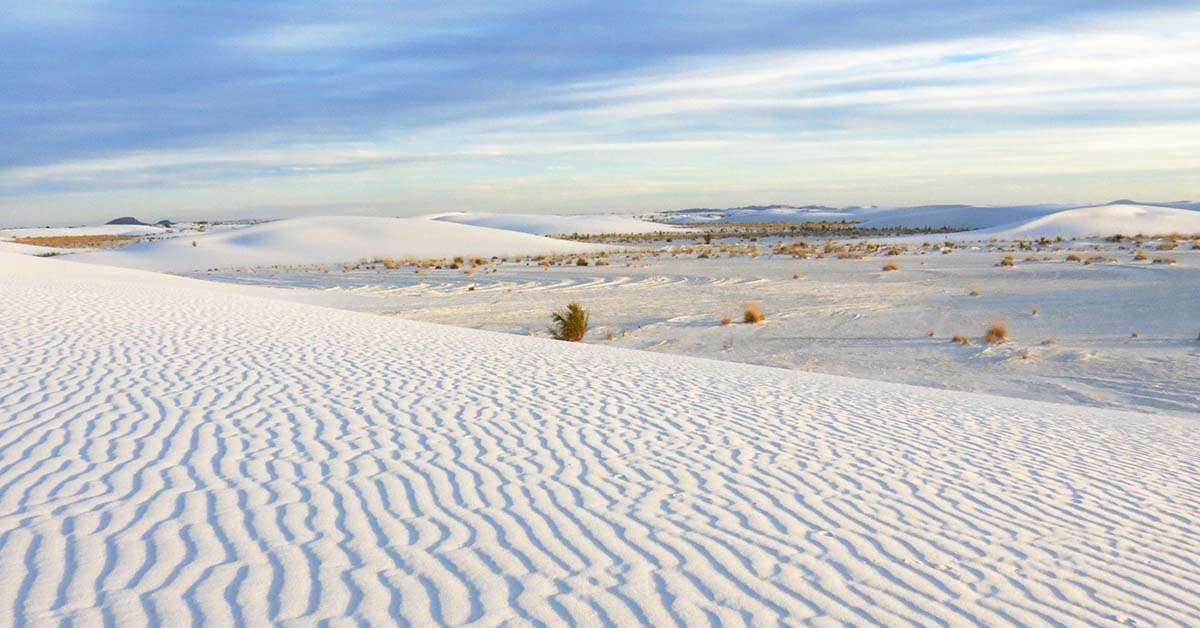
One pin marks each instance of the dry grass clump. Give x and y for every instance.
(1074, 258)
(1170, 261)
(80, 241)
(752, 312)
(997, 333)
(1140, 256)
(727, 320)
(891, 266)
(1008, 261)
(974, 292)
(570, 324)
(961, 339)
(1048, 342)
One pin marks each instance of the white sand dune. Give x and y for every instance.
(550, 224)
(174, 453)
(1102, 221)
(325, 240)
(29, 249)
(94, 230)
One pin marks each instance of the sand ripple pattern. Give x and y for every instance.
(174, 455)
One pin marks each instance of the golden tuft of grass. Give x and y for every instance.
(570, 324)
(752, 312)
(891, 266)
(1074, 258)
(997, 333)
(1140, 256)
(1008, 260)
(974, 292)
(726, 320)
(961, 339)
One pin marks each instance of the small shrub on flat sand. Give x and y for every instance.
(997, 333)
(1048, 342)
(1074, 258)
(961, 339)
(1008, 261)
(582, 261)
(891, 266)
(1169, 261)
(570, 324)
(752, 312)
(1140, 257)
(974, 292)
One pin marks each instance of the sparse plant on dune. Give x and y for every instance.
(752, 312)
(726, 320)
(961, 339)
(1169, 261)
(569, 324)
(1074, 258)
(1140, 256)
(997, 333)
(1008, 260)
(891, 266)
(974, 292)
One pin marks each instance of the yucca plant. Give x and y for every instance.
(569, 324)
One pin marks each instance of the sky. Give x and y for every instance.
(214, 109)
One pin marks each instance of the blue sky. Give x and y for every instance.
(223, 109)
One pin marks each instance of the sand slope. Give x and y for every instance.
(94, 230)
(546, 224)
(328, 239)
(1102, 221)
(172, 453)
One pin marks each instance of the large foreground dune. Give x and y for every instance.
(172, 453)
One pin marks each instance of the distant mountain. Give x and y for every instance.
(127, 220)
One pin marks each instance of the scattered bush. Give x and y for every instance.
(752, 312)
(997, 333)
(1170, 261)
(1140, 257)
(961, 339)
(974, 292)
(1074, 258)
(1008, 261)
(891, 266)
(726, 320)
(570, 324)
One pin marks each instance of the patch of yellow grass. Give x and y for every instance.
(752, 312)
(997, 333)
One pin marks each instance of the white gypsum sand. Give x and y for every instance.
(328, 239)
(846, 316)
(172, 452)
